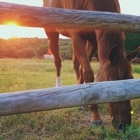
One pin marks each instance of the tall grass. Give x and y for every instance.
(62, 124)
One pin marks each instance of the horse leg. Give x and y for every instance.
(76, 66)
(53, 42)
(91, 48)
(79, 45)
(78, 72)
(95, 116)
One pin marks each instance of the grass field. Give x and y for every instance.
(62, 124)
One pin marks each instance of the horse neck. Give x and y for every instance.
(106, 40)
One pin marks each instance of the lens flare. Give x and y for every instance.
(132, 112)
(11, 24)
(10, 30)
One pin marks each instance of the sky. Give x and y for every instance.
(127, 7)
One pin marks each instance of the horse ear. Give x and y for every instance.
(113, 56)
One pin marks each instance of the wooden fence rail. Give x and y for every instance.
(68, 96)
(32, 16)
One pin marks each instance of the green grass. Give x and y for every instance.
(62, 124)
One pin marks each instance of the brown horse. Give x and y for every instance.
(113, 63)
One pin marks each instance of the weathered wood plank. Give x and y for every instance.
(68, 96)
(63, 18)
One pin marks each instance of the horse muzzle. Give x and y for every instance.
(121, 126)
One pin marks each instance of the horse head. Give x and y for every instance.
(117, 67)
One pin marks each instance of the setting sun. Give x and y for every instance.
(13, 30)
(10, 30)
(11, 24)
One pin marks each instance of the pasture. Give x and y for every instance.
(62, 124)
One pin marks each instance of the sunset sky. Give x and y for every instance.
(127, 7)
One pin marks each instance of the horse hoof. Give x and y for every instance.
(97, 123)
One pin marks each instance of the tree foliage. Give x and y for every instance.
(36, 47)
(32, 48)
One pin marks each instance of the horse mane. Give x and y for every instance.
(122, 63)
(108, 6)
(111, 37)
(124, 67)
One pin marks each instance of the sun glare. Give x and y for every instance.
(11, 24)
(13, 30)
(10, 30)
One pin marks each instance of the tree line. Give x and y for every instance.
(31, 47)
(36, 47)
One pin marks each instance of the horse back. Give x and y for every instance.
(96, 5)
(66, 4)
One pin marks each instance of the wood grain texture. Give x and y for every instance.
(32, 16)
(68, 96)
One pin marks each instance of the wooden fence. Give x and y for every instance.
(75, 95)
(32, 16)
(68, 96)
